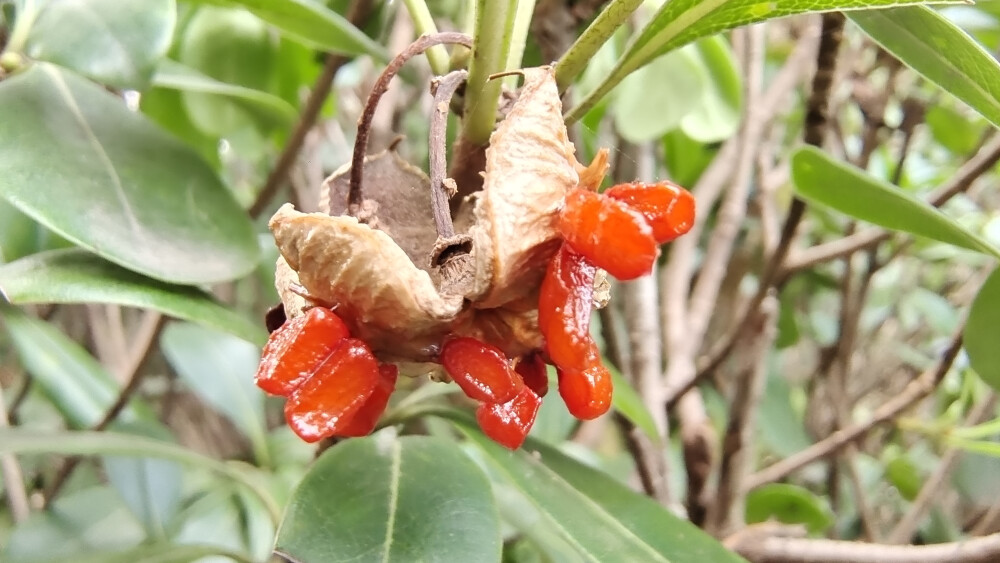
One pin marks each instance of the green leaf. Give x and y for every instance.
(940, 51)
(72, 379)
(385, 498)
(955, 131)
(819, 178)
(155, 553)
(78, 524)
(220, 368)
(77, 276)
(113, 42)
(75, 159)
(654, 99)
(679, 22)
(601, 518)
(311, 23)
(718, 113)
(904, 475)
(21, 441)
(627, 401)
(789, 504)
(270, 109)
(981, 329)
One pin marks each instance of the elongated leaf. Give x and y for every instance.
(220, 369)
(77, 524)
(74, 158)
(789, 504)
(981, 329)
(77, 276)
(312, 23)
(392, 499)
(113, 42)
(21, 441)
(821, 179)
(601, 518)
(269, 108)
(940, 51)
(72, 379)
(679, 22)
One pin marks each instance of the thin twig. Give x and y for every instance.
(424, 42)
(936, 483)
(444, 88)
(916, 390)
(357, 12)
(800, 550)
(13, 479)
(142, 346)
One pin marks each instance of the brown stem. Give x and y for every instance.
(444, 89)
(424, 42)
(358, 12)
(769, 549)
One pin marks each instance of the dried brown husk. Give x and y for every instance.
(376, 274)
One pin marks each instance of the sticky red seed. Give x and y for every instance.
(480, 370)
(668, 208)
(608, 233)
(325, 403)
(587, 392)
(534, 372)
(365, 420)
(508, 423)
(564, 306)
(295, 351)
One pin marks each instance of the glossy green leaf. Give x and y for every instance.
(940, 51)
(312, 23)
(78, 524)
(220, 369)
(151, 488)
(627, 401)
(601, 518)
(270, 109)
(679, 22)
(789, 504)
(819, 178)
(18, 233)
(904, 475)
(717, 115)
(654, 99)
(414, 498)
(77, 276)
(113, 42)
(21, 441)
(981, 330)
(70, 377)
(75, 159)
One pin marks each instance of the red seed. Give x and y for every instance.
(564, 305)
(587, 393)
(667, 207)
(325, 404)
(609, 234)
(508, 423)
(480, 370)
(365, 420)
(295, 351)
(533, 371)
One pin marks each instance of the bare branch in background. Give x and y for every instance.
(800, 550)
(13, 479)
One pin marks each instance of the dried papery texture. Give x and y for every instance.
(609, 234)
(530, 167)
(534, 372)
(375, 288)
(401, 194)
(326, 402)
(564, 306)
(593, 174)
(512, 328)
(508, 423)
(667, 207)
(297, 349)
(365, 420)
(481, 370)
(586, 392)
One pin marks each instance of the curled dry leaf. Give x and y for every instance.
(376, 275)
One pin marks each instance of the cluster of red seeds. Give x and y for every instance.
(336, 387)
